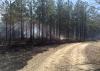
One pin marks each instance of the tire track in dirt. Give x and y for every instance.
(51, 63)
(77, 60)
(37, 60)
(73, 59)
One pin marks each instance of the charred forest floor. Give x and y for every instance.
(15, 58)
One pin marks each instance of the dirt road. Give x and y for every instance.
(72, 57)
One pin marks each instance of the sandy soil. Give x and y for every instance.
(65, 57)
(36, 61)
(73, 57)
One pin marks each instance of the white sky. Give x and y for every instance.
(0, 17)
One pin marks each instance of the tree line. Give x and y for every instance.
(49, 20)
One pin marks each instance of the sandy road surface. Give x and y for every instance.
(73, 57)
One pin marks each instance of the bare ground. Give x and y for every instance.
(66, 57)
